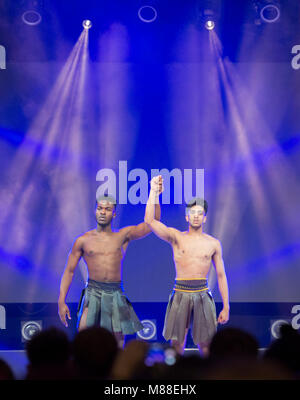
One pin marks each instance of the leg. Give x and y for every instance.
(82, 323)
(179, 347)
(120, 339)
(203, 349)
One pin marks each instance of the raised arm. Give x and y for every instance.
(222, 282)
(160, 229)
(141, 230)
(66, 280)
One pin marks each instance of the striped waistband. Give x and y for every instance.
(191, 285)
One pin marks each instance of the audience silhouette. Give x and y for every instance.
(286, 350)
(49, 355)
(93, 354)
(6, 373)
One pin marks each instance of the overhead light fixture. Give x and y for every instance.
(147, 14)
(208, 13)
(207, 18)
(31, 17)
(267, 11)
(209, 24)
(270, 13)
(87, 24)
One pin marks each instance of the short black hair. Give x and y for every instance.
(49, 346)
(197, 201)
(107, 197)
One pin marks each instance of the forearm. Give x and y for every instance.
(223, 288)
(65, 285)
(157, 211)
(152, 208)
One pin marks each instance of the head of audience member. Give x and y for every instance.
(245, 369)
(130, 362)
(232, 342)
(6, 373)
(48, 353)
(286, 349)
(94, 352)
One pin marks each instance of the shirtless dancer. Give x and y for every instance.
(193, 252)
(103, 301)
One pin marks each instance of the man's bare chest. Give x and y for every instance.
(194, 248)
(100, 246)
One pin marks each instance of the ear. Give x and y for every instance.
(187, 217)
(204, 219)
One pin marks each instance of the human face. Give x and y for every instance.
(196, 216)
(105, 212)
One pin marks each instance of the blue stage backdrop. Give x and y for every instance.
(162, 95)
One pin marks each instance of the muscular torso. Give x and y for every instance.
(193, 254)
(103, 254)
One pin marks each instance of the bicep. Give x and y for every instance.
(163, 231)
(218, 260)
(137, 231)
(74, 255)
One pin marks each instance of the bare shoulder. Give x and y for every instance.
(177, 231)
(214, 241)
(87, 235)
(179, 237)
(176, 234)
(125, 230)
(80, 240)
(78, 244)
(123, 234)
(180, 234)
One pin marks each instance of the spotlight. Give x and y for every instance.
(31, 17)
(147, 14)
(209, 24)
(29, 329)
(270, 13)
(208, 18)
(266, 11)
(87, 24)
(149, 331)
(275, 327)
